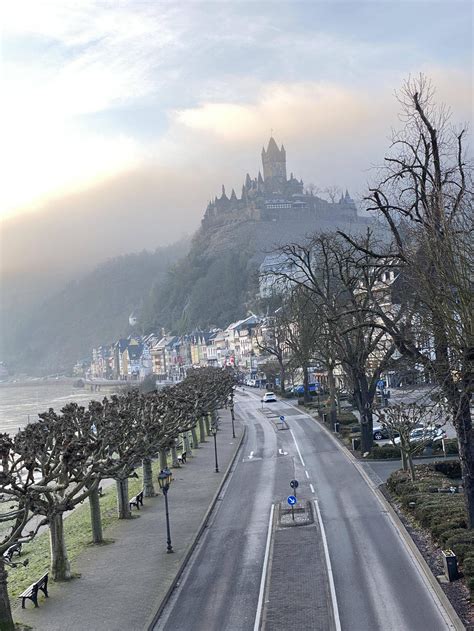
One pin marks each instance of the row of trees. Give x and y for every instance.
(54, 464)
(402, 293)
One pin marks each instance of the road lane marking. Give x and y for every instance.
(332, 588)
(251, 455)
(306, 474)
(258, 615)
(298, 449)
(282, 453)
(312, 488)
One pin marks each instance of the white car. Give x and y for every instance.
(269, 397)
(424, 434)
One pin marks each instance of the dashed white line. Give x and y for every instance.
(332, 588)
(306, 474)
(297, 448)
(312, 488)
(256, 626)
(251, 455)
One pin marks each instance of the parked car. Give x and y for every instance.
(380, 432)
(312, 387)
(425, 434)
(269, 397)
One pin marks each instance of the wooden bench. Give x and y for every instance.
(137, 500)
(15, 548)
(182, 458)
(31, 592)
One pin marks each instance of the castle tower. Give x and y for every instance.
(274, 167)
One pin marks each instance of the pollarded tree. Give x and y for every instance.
(15, 517)
(58, 453)
(400, 421)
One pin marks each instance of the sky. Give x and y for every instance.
(120, 120)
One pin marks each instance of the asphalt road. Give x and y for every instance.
(378, 585)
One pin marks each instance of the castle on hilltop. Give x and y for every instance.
(273, 197)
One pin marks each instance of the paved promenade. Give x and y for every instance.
(121, 585)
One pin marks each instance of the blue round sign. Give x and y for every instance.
(291, 500)
(282, 418)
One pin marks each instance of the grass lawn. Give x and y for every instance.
(77, 528)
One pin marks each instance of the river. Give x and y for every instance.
(20, 403)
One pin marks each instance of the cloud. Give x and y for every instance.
(333, 134)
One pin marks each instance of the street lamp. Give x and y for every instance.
(164, 480)
(214, 433)
(232, 416)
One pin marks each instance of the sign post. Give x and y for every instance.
(292, 501)
(294, 484)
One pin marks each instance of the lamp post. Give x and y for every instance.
(214, 433)
(164, 480)
(232, 415)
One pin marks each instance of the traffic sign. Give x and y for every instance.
(294, 484)
(291, 500)
(282, 418)
(381, 384)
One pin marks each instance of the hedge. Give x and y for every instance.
(451, 469)
(383, 452)
(442, 514)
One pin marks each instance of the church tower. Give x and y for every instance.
(274, 167)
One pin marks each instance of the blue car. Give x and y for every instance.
(312, 387)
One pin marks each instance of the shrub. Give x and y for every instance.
(451, 469)
(444, 531)
(346, 418)
(451, 447)
(468, 566)
(400, 484)
(385, 452)
(462, 550)
(462, 544)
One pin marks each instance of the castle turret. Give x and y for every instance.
(274, 167)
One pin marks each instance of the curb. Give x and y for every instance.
(163, 602)
(454, 619)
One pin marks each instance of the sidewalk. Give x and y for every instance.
(122, 585)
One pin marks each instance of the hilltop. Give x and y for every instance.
(217, 281)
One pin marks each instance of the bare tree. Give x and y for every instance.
(402, 419)
(16, 498)
(425, 196)
(273, 342)
(333, 192)
(342, 282)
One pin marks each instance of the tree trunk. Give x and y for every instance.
(187, 445)
(411, 468)
(174, 457)
(208, 424)
(404, 460)
(306, 384)
(202, 433)
(96, 519)
(332, 396)
(282, 377)
(122, 499)
(463, 424)
(195, 438)
(163, 459)
(60, 568)
(6, 619)
(148, 488)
